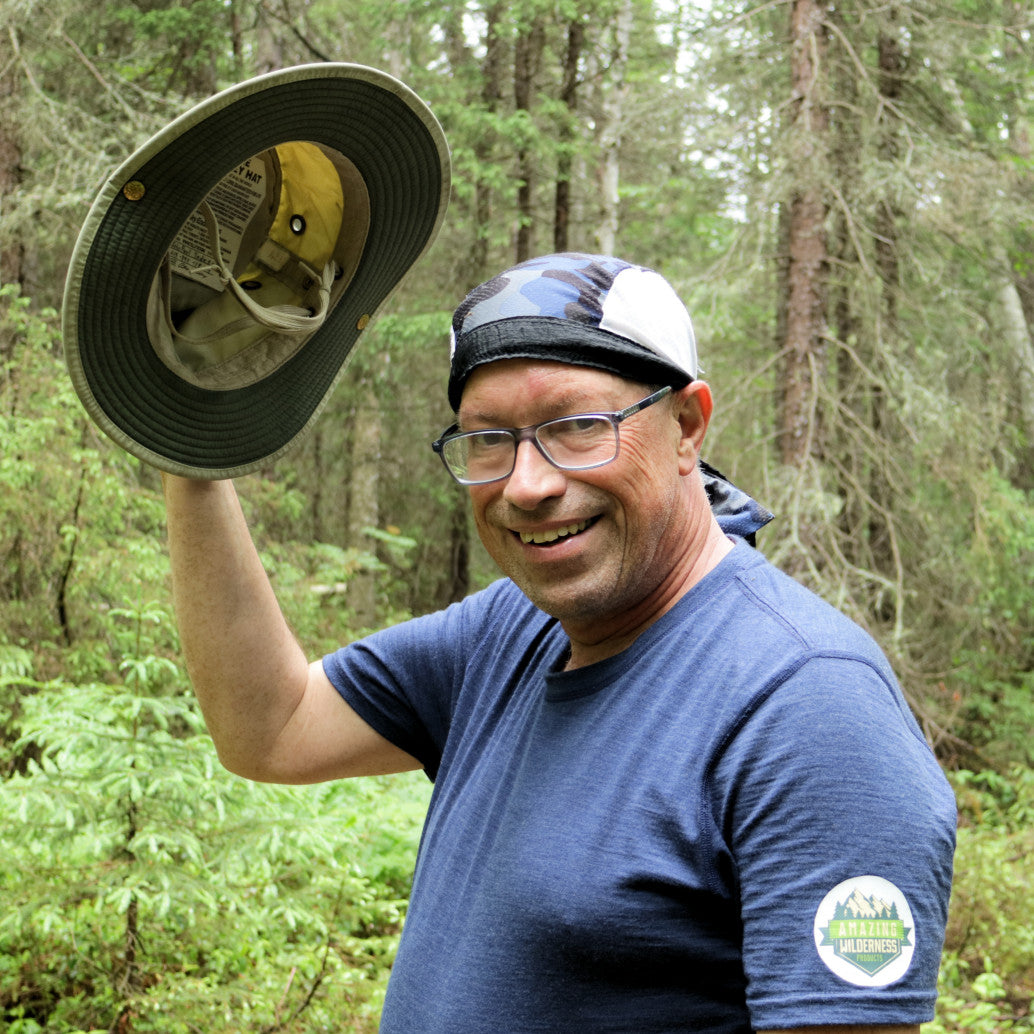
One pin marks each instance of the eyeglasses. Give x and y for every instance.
(578, 442)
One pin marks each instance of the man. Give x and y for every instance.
(674, 791)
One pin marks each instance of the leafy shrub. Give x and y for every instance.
(987, 976)
(147, 889)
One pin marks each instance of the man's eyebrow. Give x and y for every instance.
(566, 405)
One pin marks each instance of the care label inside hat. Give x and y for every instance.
(257, 267)
(236, 203)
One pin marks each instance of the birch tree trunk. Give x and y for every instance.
(363, 508)
(1012, 325)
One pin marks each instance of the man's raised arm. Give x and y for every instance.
(273, 716)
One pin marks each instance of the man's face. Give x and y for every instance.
(596, 548)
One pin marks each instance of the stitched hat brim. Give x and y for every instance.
(400, 151)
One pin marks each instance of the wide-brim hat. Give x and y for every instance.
(226, 270)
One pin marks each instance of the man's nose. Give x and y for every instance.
(533, 479)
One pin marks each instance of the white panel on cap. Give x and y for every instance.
(642, 306)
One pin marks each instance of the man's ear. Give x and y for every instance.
(694, 405)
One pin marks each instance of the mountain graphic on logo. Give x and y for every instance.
(858, 906)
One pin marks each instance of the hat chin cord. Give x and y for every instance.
(286, 319)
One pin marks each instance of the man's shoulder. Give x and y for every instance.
(760, 597)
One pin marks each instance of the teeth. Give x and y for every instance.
(540, 538)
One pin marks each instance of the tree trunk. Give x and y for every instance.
(613, 92)
(526, 60)
(1016, 337)
(851, 458)
(11, 256)
(804, 349)
(459, 554)
(565, 159)
(269, 51)
(1013, 317)
(364, 509)
(892, 63)
(236, 39)
(487, 100)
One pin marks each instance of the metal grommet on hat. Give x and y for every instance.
(226, 270)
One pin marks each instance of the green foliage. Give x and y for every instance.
(246, 898)
(974, 1004)
(141, 880)
(144, 887)
(983, 604)
(987, 975)
(76, 524)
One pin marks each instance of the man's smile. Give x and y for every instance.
(545, 538)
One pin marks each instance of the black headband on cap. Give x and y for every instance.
(558, 340)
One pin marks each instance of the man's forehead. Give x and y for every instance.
(543, 387)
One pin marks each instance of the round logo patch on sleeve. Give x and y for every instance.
(864, 932)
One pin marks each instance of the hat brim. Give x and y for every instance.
(399, 149)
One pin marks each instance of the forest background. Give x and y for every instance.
(842, 193)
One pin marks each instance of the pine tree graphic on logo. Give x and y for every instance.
(866, 931)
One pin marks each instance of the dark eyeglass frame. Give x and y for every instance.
(531, 432)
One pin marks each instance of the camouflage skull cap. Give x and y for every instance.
(588, 310)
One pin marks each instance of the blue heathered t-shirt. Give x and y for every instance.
(733, 825)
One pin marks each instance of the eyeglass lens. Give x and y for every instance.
(572, 443)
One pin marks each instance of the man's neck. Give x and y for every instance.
(588, 646)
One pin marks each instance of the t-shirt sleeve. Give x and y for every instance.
(402, 681)
(842, 828)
